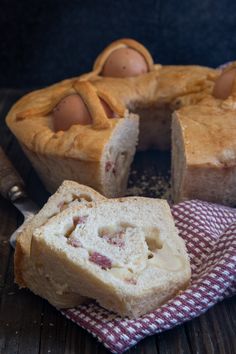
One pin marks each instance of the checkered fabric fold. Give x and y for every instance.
(210, 234)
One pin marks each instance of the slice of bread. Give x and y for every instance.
(26, 273)
(124, 253)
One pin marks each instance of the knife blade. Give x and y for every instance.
(12, 187)
(28, 209)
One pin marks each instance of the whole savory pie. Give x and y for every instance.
(88, 128)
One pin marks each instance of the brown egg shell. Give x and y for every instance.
(125, 62)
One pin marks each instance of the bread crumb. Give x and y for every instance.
(149, 184)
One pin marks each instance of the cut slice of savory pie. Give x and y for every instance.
(124, 253)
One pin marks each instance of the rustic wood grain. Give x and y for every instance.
(7, 212)
(178, 339)
(9, 177)
(214, 332)
(29, 325)
(20, 311)
(8, 225)
(147, 346)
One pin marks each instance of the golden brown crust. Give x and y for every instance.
(204, 152)
(30, 120)
(163, 85)
(208, 142)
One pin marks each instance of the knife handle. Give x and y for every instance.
(12, 186)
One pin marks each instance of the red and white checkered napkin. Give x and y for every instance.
(210, 234)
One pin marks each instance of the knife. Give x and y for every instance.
(12, 187)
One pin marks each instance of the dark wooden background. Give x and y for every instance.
(29, 325)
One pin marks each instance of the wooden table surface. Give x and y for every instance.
(29, 325)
